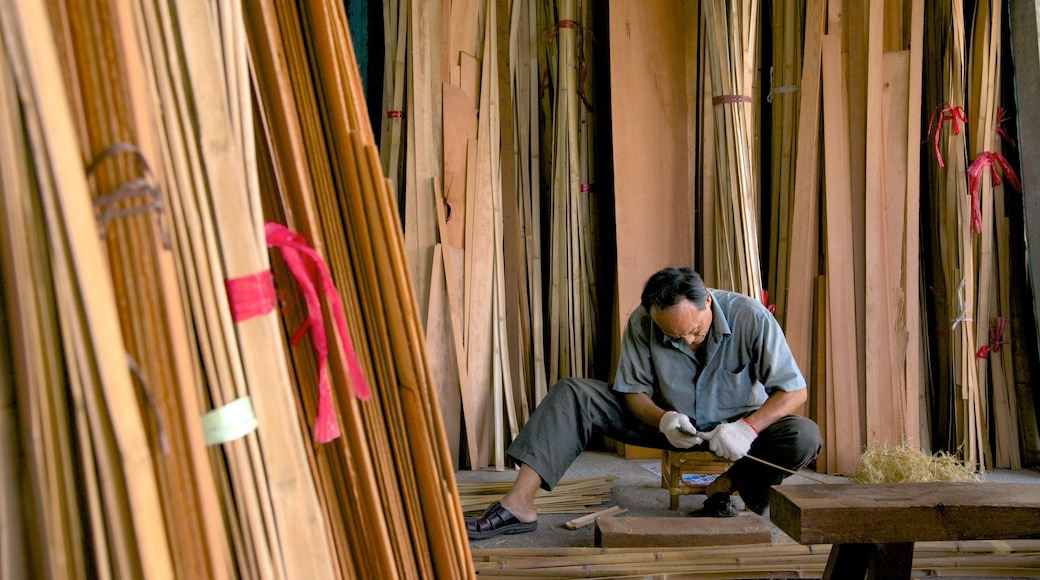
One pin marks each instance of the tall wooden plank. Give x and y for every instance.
(1026, 54)
(915, 429)
(798, 323)
(843, 381)
(647, 41)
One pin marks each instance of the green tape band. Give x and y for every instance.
(230, 422)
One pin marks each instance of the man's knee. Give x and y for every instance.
(806, 437)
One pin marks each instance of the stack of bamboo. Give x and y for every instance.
(732, 37)
(461, 140)
(939, 559)
(176, 425)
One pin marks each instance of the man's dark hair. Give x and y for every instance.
(669, 286)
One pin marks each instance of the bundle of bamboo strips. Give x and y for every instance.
(356, 223)
(121, 510)
(731, 29)
(122, 484)
(971, 559)
(218, 221)
(142, 269)
(569, 495)
(572, 277)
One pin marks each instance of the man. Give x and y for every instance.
(698, 367)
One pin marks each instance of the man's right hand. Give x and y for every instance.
(679, 430)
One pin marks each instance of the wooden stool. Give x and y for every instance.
(676, 463)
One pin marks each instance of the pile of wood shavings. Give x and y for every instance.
(904, 464)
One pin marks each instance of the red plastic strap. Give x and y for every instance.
(982, 353)
(988, 159)
(996, 334)
(562, 24)
(395, 114)
(765, 301)
(251, 296)
(305, 263)
(953, 114)
(1001, 131)
(586, 187)
(730, 99)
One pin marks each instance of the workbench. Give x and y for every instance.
(872, 527)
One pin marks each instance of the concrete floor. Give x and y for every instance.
(639, 490)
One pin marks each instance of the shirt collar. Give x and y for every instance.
(719, 323)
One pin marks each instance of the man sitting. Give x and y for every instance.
(698, 367)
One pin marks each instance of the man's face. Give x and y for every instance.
(684, 321)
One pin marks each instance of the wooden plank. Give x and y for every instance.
(915, 429)
(440, 344)
(843, 382)
(893, 391)
(647, 40)
(460, 126)
(798, 321)
(667, 532)
(420, 228)
(882, 257)
(1025, 52)
(905, 512)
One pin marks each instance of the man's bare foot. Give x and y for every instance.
(523, 513)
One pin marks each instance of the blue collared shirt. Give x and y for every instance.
(745, 359)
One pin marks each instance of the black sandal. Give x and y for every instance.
(494, 521)
(718, 505)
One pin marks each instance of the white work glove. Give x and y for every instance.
(731, 440)
(679, 430)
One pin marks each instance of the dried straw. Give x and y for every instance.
(905, 464)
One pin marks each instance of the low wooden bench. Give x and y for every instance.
(872, 527)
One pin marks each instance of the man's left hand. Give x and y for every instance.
(731, 440)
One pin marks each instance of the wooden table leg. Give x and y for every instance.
(870, 561)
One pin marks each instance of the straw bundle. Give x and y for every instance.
(906, 464)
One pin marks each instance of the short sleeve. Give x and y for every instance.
(635, 371)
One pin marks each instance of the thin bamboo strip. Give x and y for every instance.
(511, 331)
(15, 554)
(529, 84)
(51, 510)
(395, 30)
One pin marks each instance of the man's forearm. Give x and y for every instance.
(778, 405)
(644, 408)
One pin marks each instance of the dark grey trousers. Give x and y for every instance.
(576, 409)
